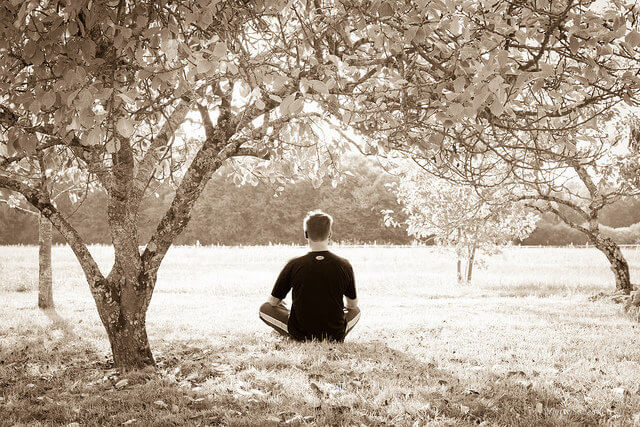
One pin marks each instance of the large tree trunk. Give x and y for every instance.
(123, 309)
(130, 345)
(618, 263)
(123, 297)
(126, 328)
(127, 289)
(459, 269)
(45, 288)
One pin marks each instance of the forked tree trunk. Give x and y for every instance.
(123, 311)
(45, 280)
(127, 333)
(619, 265)
(122, 298)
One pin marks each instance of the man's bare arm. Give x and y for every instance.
(273, 301)
(351, 303)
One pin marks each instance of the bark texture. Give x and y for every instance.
(619, 265)
(123, 313)
(45, 280)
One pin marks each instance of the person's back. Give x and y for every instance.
(319, 280)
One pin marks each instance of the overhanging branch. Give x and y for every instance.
(41, 202)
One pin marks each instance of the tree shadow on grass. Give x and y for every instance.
(258, 379)
(59, 322)
(267, 377)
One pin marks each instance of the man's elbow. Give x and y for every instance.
(273, 301)
(352, 304)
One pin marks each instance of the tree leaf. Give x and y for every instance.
(94, 137)
(385, 9)
(220, 50)
(286, 103)
(632, 38)
(48, 100)
(296, 106)
(125, 127)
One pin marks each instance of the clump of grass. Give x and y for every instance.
(22, 287)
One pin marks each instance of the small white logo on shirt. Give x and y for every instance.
(319, 257)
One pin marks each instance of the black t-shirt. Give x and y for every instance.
(319, 281)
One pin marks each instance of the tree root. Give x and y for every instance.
(630, 303)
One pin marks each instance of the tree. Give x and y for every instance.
(487, 70)
(45, 277)
(601, 191)
(464, 217)
(243, 215)
(494, 88)
(106, 86)
(45, 237)
(572, 175)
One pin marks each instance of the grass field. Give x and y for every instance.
(523, 345)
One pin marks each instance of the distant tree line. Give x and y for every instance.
(246, 215)
(259, 215)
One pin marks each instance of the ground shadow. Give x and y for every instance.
(257, 379)
(58, 322)
(396, 387)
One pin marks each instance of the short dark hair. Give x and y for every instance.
(317, 225)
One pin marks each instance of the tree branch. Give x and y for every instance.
(252, 152)
(20, 208)
(214, 151)
(71, 235)
(558, 200)
(148, 163)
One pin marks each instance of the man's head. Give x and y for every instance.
(317, 226)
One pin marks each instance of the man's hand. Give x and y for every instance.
(351, 303)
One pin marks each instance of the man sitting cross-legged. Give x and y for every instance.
(319, 281)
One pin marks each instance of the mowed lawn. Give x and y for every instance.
(523, 345)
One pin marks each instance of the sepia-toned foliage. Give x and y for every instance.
(468, 219)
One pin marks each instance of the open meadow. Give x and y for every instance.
(524, 345)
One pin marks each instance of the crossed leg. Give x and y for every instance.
(277, 317)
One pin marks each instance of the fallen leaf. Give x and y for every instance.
(258, 392)
(316, 389)
(128, 422)
(160, 404)
(539, 408)
(122, 384)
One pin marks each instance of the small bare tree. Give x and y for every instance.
(468, 219)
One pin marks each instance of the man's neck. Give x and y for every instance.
(319, 246)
